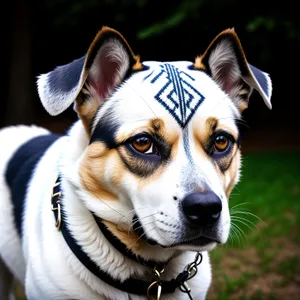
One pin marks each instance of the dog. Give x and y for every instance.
(128, 203)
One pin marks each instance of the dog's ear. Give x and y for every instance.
(225, 61)
(91, 79)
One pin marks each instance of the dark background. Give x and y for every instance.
(39, 35)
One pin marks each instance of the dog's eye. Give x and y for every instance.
(144, 145)
(221, 143)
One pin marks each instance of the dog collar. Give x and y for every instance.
(130, 285)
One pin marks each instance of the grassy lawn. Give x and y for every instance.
(262, 257)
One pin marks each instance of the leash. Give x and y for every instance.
(131, 285)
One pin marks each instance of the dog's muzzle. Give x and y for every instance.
(200, 212)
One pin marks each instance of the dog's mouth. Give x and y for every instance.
(198, 241)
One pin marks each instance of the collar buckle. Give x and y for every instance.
(191, 270)
(55, 205)
(157, 283)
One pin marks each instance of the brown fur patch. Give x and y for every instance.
(242, 105)
(86, 109)
(154, 126)
(138, 66)
(128, 237)
(92, 170)
(198, 64)
(210, 126)
(232, 171)
(203, 133)
(157, 125)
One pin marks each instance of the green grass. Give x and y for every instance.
(266, 244)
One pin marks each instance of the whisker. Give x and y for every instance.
(102, 200)
(239, 233)
(141, 98)
(130, 228)
(146, 232)
(129, 212)
(152, 222)
(242, 221)
(239, 204)
(236, 212)
(245, 221)
(234, 234)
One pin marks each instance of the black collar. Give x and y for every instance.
(124, 249)
(130, 285)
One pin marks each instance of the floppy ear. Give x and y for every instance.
(226, 62)
(89, 80)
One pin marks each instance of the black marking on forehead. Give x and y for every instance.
(105, 131)
(176, 92)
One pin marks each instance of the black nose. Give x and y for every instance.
(202, 208)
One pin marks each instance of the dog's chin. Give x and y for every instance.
(200, 243)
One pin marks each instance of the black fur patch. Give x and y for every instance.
(105, 130)
(20, 169)
(64, 78)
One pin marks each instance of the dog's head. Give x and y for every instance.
(164, 146)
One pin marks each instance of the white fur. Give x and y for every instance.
(47, 266)
(55, 102)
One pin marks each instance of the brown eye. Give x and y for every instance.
(143, 144)
(221, 143)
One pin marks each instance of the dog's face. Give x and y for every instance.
(164, 144)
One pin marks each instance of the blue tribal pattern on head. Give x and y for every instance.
(177, 93)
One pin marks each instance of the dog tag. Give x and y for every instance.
(159, 289)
